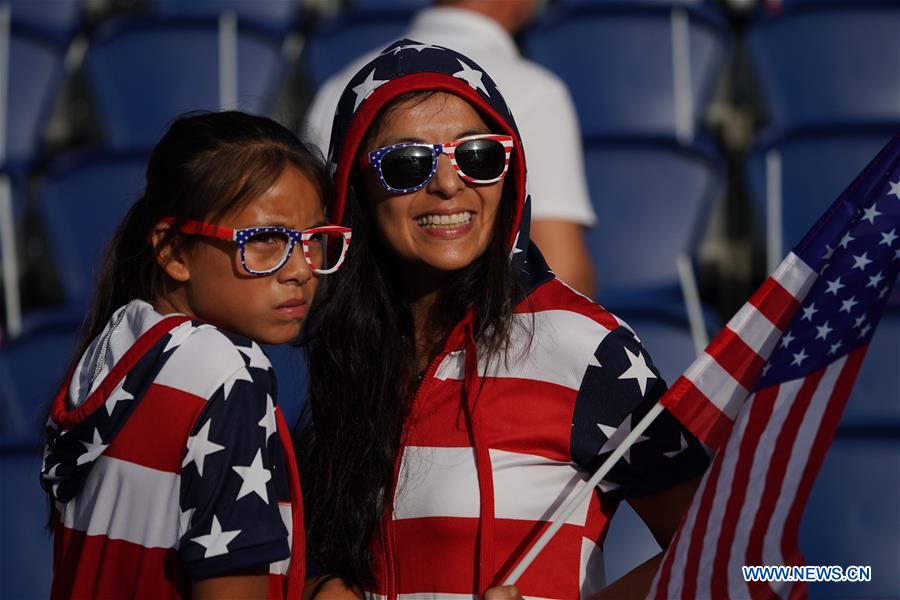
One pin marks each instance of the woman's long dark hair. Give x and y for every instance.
(206, 165)
(362, 361)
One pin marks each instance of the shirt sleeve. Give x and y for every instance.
(616, 393)
(233, 475)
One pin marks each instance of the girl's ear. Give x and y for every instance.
(169, 253)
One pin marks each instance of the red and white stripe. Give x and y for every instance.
(712, 390)
(765, 471)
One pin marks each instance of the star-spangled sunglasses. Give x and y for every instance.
(264, 250)
(409, 166)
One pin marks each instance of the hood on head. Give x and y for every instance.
(409, 66)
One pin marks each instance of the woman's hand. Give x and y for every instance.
(502, 592)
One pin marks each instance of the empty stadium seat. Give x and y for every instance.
(144, 73)
(822, 62)
(652, 198)
(31, 370)
(81, 202)
(634, 68)
(292, 379)
(56, 18)
(853, 517)
(804, 173)
(278, 16)
(35, 75)
(338, 41)
(26, 568)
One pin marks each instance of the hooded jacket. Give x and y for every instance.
(477, 481)
(168, 460)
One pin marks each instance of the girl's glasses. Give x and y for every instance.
(264, 250)
(409, 166)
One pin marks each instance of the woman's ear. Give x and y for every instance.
(169, 253)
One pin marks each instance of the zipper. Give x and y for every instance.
(387, 530)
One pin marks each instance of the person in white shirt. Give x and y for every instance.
(539, 101)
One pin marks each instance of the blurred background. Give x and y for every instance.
(714, 134)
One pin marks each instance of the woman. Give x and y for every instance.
(460, 392)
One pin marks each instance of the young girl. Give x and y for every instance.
(168, 462)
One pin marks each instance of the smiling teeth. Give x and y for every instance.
(445, 220)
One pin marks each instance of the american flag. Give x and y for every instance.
(767, 394)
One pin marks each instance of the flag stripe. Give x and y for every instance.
(689, 404)
(735, 356)
(758, 332)
(775, 303)
(717, 384)
(794, 275)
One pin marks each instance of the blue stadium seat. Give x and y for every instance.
(56, 18)
(35, 76)
(293, 379)
(338, 41)
(82, 201)
(809, 170)
(26, 568)
(144, 73)
(634, 68)
(277, 16)
(628, 543)
(31, 370)
(376, 6)
(853, 517)
(652, 197)
(823, 62)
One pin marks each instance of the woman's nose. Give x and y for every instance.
(446, 181)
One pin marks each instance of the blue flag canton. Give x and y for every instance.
(855, 280)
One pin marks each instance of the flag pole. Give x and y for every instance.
(576, 500)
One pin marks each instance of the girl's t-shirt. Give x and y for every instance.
(167, 461)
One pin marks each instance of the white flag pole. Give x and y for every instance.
(576, 500)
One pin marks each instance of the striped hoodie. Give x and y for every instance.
(490, 451)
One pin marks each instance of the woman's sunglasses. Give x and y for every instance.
(409, 166)
(264, 250)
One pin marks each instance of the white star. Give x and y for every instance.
(94, 449)
(216, 541)
(181, 333)
(846, 240)
(241, 374)
(607, 486)
(895, 189)
(861, 261)
(766, 369)
(638, 370)
(874, 280)
(847, 305)
(870, 213)
(255, 477)
(834, 286)
(823, 330)
(787, 339)
(859, 321)
(184, 520)
(865, 330)
(809, 311)
(834, 347)
(888, 238)
(117, 396)
(674, 453)
(199, 447)
(883, 292)
(799, 357)
(515, 248)
(258, 358)
(616, 435)
(471, 76)
(268, 421)
(828, 252)
(365, 89)
(416, 47)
